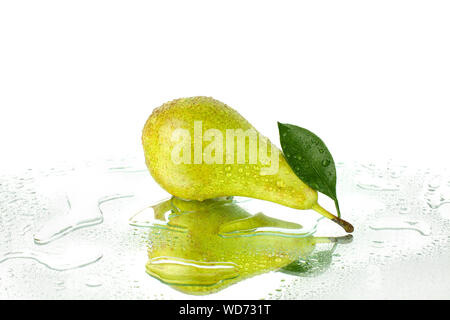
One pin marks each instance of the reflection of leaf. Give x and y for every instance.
(309, 158)
(313, 265)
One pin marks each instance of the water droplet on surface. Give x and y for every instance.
(434, 183)
(280, 184)
(377, 185)
(93, 281)
(377, 244)
(326, 163)
(436, 201)
(404, 210)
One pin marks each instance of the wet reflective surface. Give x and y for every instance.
(94, 231)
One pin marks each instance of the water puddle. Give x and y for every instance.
(402, 224)
(80, 214)
(66, 258)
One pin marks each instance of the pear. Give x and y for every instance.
(230, 246)
(186, 145)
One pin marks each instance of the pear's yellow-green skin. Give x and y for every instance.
(205, 181)
(191, 253)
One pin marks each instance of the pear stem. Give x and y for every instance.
(344, 224)
(340, 240)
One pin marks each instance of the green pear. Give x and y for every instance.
(190, 150)
(230, 246)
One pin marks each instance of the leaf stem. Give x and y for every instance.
(336, 203)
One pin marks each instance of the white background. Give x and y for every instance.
(79, 78)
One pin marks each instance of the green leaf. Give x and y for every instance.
(309, 158)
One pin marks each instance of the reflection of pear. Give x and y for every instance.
(192, 177)
(207, 246)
